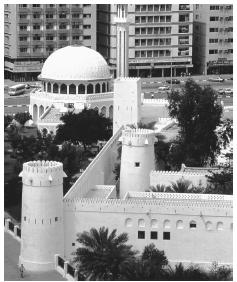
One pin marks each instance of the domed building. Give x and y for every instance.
(73, 77)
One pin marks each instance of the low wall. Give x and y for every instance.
(166, 177)
(65, 269)
(12, 229)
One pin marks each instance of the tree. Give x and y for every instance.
(22, 117)
(220, 273)
(192, 273)
(221, 182)
(150, 266)
(7, 120)
(181, 186)
(198, 115)
(159, 188)
(103, 256)
(86, 127)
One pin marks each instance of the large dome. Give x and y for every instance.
(75, 63)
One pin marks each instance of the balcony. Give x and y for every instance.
(37, 20)
(77, 31)
(76, 9)
(23, 43)
(23, 21)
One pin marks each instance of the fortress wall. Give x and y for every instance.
(166, 177)
(99, 171)
(204, 244)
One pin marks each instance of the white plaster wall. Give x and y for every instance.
(185, 245)
(41, 236)
(127, 102)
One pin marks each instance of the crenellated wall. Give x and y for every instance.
(166, 177)
(198, 227)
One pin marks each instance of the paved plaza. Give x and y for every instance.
(11, 272)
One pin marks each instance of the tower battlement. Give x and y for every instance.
(42, 173)
(138, 137)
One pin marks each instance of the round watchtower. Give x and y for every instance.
(137, 160)
(42, 214)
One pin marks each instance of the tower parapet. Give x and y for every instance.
(42, 234)
(137, 160)
(138, 137)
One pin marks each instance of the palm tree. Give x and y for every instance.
(103, 256)
(181, 186)
(192, 273)
(159, 188)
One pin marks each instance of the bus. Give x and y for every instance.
(16, 89)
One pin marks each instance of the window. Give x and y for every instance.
(214, 19)
(86, 5)
(168, 19)
(49, 37)
(213, 40)
(213, 29)
(166, 235)
(62, 16)
(36, 26)
(56, 218)
(22, 5)
(168, 30)
(36, 5)
(36, 37)
(23, 50)
(62, 5)
(87, 16)
(141, 235)
(73, 244)
(192, 225)
(75, 25)
(23, 27)
(75, 37)
(184, 7)
(23, 16)
(24, 218)
(183, 28)
(87, 26)
(87, 37)
(150, 8)
(49, 16)
(213, 51)
(149, 30)
(75, 16)
(149, 42)
(137, 164)
(168, 7)
(149, 54)
(137, 54)
(62, 37)
(214, 7)
(36, 16)
(63, 26)
(137, 8)
(23, 38)
(154, 235)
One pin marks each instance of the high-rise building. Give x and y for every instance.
(213, 39)
(33, 31)
(160, 38)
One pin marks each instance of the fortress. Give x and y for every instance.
(190, 228)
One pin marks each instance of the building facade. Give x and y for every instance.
(160, 38)
(213, 39)
(33, 31)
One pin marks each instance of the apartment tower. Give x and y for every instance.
(160, 38)
(33, 31)
(213, 39)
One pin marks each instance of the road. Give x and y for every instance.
(11, 257)
(150, 86)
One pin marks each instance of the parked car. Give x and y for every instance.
(163, 88)
(221, 91)
(216, 79)
(27, 86)
(174, 81)
(228, 91)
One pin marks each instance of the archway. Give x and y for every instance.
(63, 89)
(35, 113)
(103, 111)
(96, 109)
(103, 87)
(81, 89)
(90, 89)
(44, 86)
(72, 89)
(41, 111)
(55, 88)
(97, 88)
(111, 112)
(48, 87)
(107, 87)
